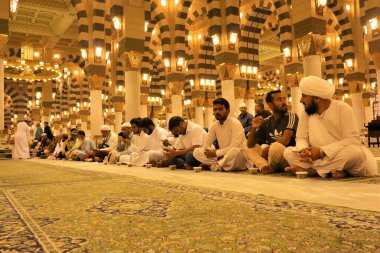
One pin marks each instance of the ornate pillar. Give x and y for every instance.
(118, 105)
(96, 116)
(143, 111)
(355, 87)
(4, 31)
(311, 48)
(238, 102)
(2, 108)
(293, 82)
(199, 116)
(83, 114)
(176, 90)
(368, 112)
(251, 104)
(209, 117)
(132, 62)
(226, 74)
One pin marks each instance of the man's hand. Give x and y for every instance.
(265, 152)
(256, 122)
(166, 143)
(171, 153)
(308, 155)
(210, 153)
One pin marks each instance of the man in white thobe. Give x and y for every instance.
(229, 134)
(154, 144)
(190, 136)
(328, 141)
(22, 140)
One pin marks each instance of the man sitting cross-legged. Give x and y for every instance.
(328, 141)
(229, 133)
(154, 148)
(274, 134)
(191, 136)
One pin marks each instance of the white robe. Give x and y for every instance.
(22, 140)
(153, 149)
(335, 132)
(230, 137)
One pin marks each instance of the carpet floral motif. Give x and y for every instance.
(143, 207)
(94, 212)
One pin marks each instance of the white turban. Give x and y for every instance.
(105, 128)
(242, 105)
(126, 124)
(317, 87)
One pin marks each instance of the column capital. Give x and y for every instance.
(226, 71)
(96, 82)
(46, 111)
(119, 106)
(311, 44)
(293, 79)
(131, 60)
(3, 42)
(176, 88)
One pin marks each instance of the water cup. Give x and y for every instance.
(197, 169)
(301, 174)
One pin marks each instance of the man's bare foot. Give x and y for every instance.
(294, 169)
(188, 167)
(266, 169)
(338, 174)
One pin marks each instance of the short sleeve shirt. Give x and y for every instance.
(271, 131)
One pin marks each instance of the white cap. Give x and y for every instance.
(242, 105)
(105, 128)
(126, 124)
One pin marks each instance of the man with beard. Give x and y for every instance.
(328, 141)
(153, 144)
(191, 136)
(229, 133)
(269, 137)
(245, 118)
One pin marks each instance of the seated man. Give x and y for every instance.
(59, 147)
(274, 134)
(191, 136)
(124, 141)
(86, 146)
(40, 148)
(154, 146)
(245, 118)
(74, 148)
(328, 141)
(109, 143)
(229, 133)
(139, 141)
(260, 112)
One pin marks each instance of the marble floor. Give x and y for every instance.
(362, 196)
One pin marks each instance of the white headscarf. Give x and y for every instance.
(105, 128)
(317, 87)
(242, 105)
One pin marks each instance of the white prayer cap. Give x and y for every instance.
(242, 105)
(43, 134)
(318, 87)
(126, 124)
(105, 128)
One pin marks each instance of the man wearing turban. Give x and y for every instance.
(328, 141)
(245, 118)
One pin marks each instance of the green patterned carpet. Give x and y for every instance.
(57, 209)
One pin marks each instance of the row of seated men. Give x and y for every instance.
(324, 141)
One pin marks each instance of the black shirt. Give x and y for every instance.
(271, 131)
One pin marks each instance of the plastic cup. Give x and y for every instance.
(148, 165)
(301, 174)
(253, 170)
(173, 167)
(197, 169)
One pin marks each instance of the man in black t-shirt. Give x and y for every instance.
(269, 137)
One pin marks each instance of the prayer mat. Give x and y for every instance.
(46, 208)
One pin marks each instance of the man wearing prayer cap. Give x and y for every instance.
(109, 143)
(124, 141)
(245, 118)
(328, 141)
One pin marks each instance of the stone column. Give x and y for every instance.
(177, 105)
(4, 31)
(96, 109)
(143, 111)
(357, 106)
(168, 116)
(368, 112)
(209, 116)
(118, 105)
(132, 62)
(199, 116)
(296, 93)
(251, 106)
(226, 74)
(311, 47)
(84, 118)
